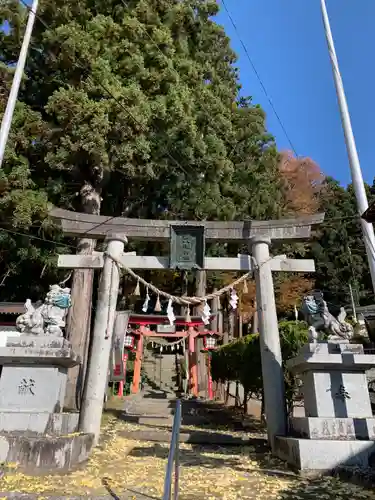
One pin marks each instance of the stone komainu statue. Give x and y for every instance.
(321, 321)
(47, 318)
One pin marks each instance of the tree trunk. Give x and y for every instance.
(246, 398)
(227, 392)
(79, 319)
(237, 396)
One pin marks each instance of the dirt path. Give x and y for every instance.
(124, 468)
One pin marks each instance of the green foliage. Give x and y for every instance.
(339, 250)
(139, 101)
(292, 337)
(240, 361)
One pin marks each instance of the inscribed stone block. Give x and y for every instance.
(333, 428)
(32, 388)
(336, 394)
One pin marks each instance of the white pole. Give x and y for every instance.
(97, 372)
(9, 110)
(357, 179)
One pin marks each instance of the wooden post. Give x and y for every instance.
(122, 382)
(232, 319)
(92, 404)
(200, 291)
(78, 326)
(240, 321)
(193, 369)
(225, 318)
(209, 376)
(79, 318)
(138, 363)
(215, 313)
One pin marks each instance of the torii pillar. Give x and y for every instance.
(270, 348)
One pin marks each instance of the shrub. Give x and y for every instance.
(240, 361)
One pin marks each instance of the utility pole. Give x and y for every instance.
(9, 110)
(355, 167)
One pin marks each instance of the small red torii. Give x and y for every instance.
(140, 326)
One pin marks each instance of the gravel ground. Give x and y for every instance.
(128, 469)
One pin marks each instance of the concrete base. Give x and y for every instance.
(333, 428)
(43, 454)
(38, 423)
(323, 455)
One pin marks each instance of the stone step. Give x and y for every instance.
(192, 437)
(162, 421)
(168, 408)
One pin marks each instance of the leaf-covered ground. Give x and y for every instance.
(124, 468)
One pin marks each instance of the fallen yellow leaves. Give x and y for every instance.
(122, 466)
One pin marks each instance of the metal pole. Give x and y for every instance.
(9, 110)
(177, 455)
(357, 179)
(173, 457)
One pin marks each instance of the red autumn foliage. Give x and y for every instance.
(303, 184)
(291, 291)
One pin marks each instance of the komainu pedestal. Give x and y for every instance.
(34, 430)
(338, 429)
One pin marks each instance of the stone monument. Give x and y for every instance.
(34, 430)
(338, 429)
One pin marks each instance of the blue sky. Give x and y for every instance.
(286, 42)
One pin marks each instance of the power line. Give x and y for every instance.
(258, 77)
(33, 237)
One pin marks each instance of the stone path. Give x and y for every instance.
(127, 468)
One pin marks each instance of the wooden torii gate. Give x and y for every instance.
(258, 235)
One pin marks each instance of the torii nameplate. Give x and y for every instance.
(187, 247)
